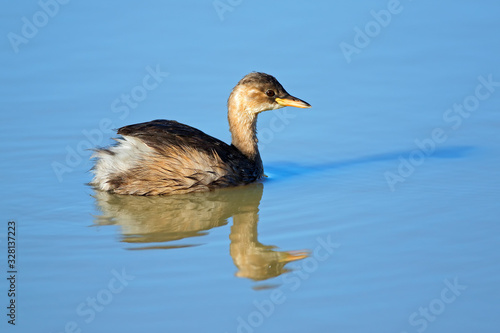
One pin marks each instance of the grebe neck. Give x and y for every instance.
(243, 127)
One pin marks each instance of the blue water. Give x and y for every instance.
(389, 183)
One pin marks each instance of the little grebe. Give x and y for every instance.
(167, 157)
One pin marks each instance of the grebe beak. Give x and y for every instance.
(294, 255)
(289, 100)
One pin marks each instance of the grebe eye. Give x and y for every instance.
(270, 93)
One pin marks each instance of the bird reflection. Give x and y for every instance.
(161, 220)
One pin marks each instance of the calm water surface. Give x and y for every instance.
(381, 209)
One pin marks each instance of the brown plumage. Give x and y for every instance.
(167, 157)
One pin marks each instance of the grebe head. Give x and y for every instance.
(258, 92)
(255, 93)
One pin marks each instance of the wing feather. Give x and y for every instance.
(164, 157)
